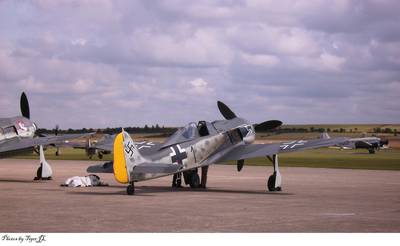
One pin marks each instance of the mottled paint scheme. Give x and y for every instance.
(198, 151)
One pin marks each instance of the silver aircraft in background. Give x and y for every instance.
(18, 135)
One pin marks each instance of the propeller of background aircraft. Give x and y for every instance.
(56, 130)
(24, 106)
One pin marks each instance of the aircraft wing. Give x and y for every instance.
(362, 144)
(298, 145)
(242, 152)
(20, 144)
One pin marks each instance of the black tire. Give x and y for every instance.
(371, 151)
(39, 172)
(271, 183)
(130, 190)
(194, 180)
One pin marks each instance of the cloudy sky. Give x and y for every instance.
(128, 63)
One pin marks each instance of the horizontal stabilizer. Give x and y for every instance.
(102, 168)
(324, 135)
(153, 168)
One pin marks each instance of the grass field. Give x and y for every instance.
(348, 127)
(388, 159)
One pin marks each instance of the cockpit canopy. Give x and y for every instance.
(183, 134)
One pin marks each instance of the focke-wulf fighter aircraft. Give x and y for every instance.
(198, 146)
(17, 135)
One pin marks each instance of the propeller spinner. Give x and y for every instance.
(266, 125)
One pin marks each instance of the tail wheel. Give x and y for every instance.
(130, 190)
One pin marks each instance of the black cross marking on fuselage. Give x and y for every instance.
(178, 157)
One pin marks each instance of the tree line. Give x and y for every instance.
(166, 131)
(135, 129)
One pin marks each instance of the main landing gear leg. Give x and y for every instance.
(204, 171)
(275, 180)
(44, 171)
(130, 190)
(177, 180)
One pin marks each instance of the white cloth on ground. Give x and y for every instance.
(77, 181)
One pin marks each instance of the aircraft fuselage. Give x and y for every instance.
(16, 127)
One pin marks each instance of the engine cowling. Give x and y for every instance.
(248, 133)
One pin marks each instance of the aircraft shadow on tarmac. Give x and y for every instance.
(360, 153)
(18, 181)
(147, 190)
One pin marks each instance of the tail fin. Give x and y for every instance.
(324, 135)
(126, 157)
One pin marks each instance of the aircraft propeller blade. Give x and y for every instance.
(24, 104)
(225, 111)
(269, 125)
(56, 130)
(239, 165)
(56, 133)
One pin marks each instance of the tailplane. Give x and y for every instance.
(324, 135)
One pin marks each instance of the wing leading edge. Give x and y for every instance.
(14, 145)
(243, 152)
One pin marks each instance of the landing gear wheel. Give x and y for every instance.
(271, 183)
(194, 180)
(38, 173)
(130, 190)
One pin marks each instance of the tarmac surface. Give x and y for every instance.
(312, 200)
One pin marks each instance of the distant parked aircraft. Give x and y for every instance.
(370, 143)
(18, 135)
